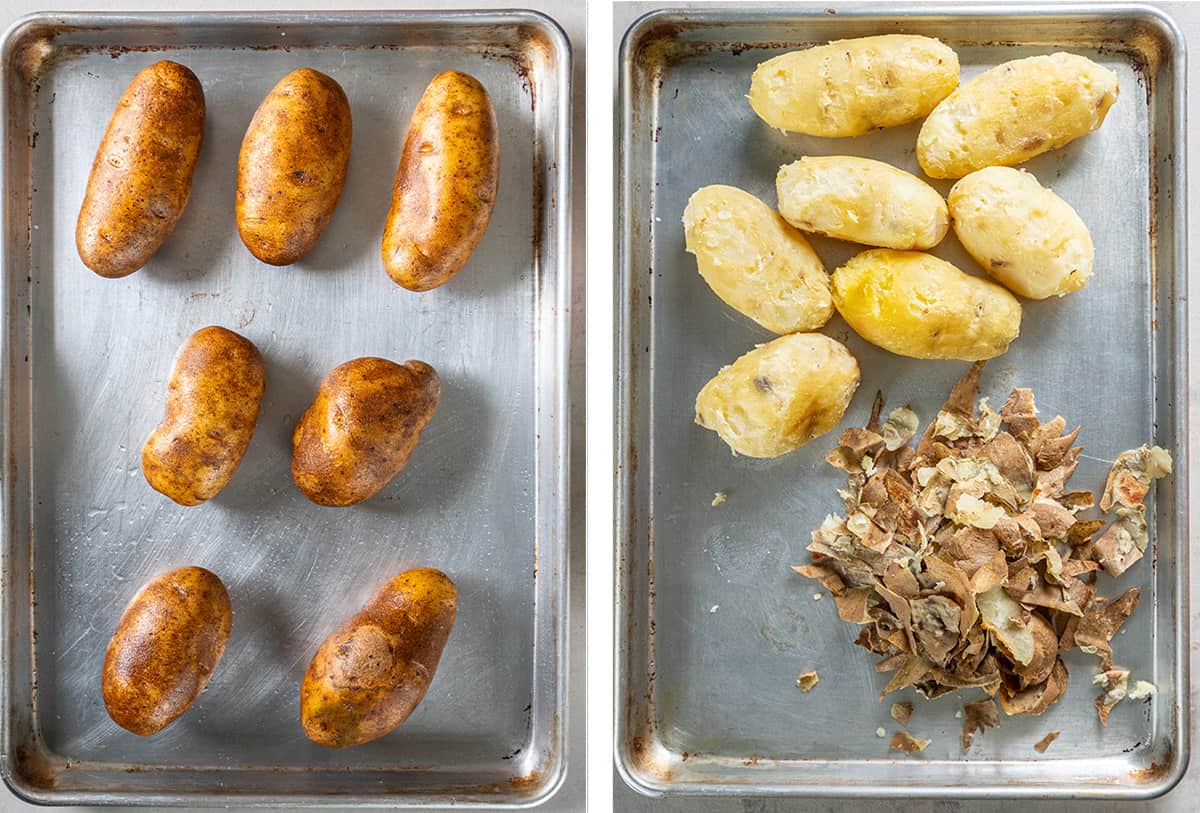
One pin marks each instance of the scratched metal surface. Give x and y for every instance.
(712, 625)
(86, 362)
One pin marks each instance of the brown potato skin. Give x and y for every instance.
(369, 675)
(292, 166)
(213, 396)
(165, 648)
(361, 428)
(142, 174)
(446, 184)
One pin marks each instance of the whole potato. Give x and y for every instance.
(850, 87)
(1024, 235)
(292, 166)
(142, 175)
(861, 200)
(755, 262)
(780, 395)
(213, 396)
(1014, 111)
(165, 648)
(918, 305)
(362, 427)
(446, 184)
(369, 675)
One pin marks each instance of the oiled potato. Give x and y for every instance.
(165, 648)
(1014, 111)
(370, 674)
(861, 200)
(850, 87)
(754, 261)
(213, 396)
(1024, 235)
(292, 166)
(780, 395)
(446, 184)
(142, 175)
(918, 305)
(362, 427)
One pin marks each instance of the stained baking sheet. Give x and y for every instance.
(85, 367)
(712, 625)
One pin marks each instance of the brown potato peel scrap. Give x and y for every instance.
(1041, 745)
(806, 680)
(903, 741)
(976, 717)
(902, 713)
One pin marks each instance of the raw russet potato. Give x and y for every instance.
(755, 262)
(917, 305)
(780, 395)
(1014, 111)
(850, 87)
(1024, 235)
(861, 200)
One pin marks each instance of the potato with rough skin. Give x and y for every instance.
(446, 184)
(142, 175)
(780, 395)
(361, 428)
(213, 396)
(369, 675)
(861, 200)
(920, 306)
(292, 166)
(1025, 236)
(1014, 111)
(755, 262)
(851, 87)
(165, 648)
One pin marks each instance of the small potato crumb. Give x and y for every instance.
(719, 498)
(880, 732)
(806, 680)
(817, 596)
(713, 608)
(1041, 745)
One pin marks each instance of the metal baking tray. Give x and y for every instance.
(712, 626)
(85, 362)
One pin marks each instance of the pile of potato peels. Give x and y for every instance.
(965, 559)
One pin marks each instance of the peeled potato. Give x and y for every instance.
(918, 305)
(756, 262)
(1024, 235)
(780, 395)
(861, 200)
(1014, 111)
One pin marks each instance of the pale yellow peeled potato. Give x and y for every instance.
(850, 87)
(780, 395)
(918, 305)
(1025, 236)
(755, 262)
(1014, 111)
(861, 200)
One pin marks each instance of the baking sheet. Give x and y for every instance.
(712, 626)
(85, 368)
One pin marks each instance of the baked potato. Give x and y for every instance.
(780, 395)
(446, 184)
(361, 428)
(213, 397)
(292, 166)
(369, 675)
(755, 262)
(142, 174)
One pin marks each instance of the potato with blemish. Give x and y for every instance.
(446, 184)
(213, 397)
(861, 200)
(361, 428)
(755, 262)
(292, 166)
(165, 648)
(851, 87)
(1014, 111)
(920, 306)
(780, 395)
(369, 675)
(1025, 236)
(142, 175)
